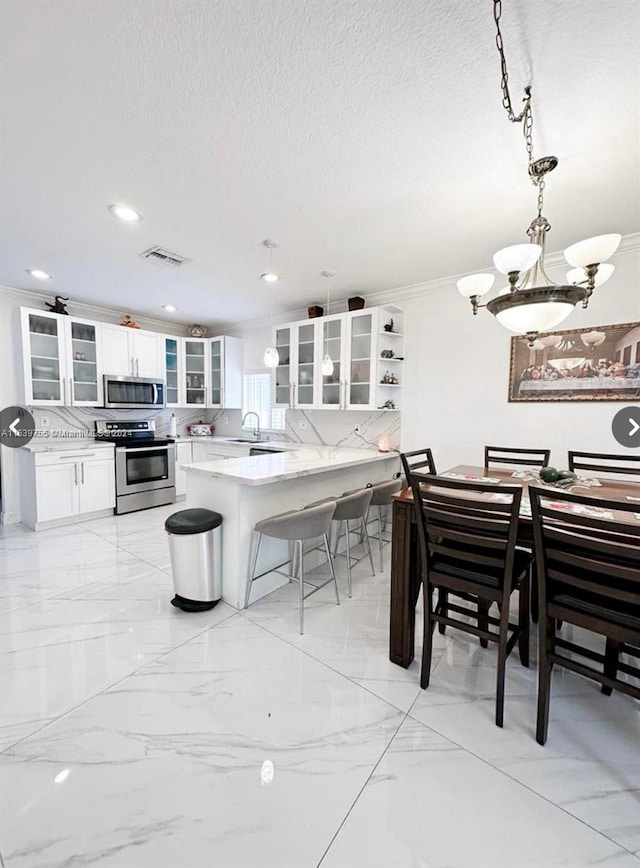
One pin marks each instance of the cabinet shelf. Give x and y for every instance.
(394, 359)
(391, 385)
(82, 341)
(392, 334)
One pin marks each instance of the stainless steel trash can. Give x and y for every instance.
(195, 543)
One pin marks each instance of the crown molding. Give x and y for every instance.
(31, 298)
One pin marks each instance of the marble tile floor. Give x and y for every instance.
(137, 736)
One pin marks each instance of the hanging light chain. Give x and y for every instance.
(526, 115)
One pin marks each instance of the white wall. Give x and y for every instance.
(457, 377)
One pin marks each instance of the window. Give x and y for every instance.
(257, 397)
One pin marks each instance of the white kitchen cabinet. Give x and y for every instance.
(62, 360)
(96, 485)
(63, 486)
(225, 372)
(57, 491)
(296, 376)
(355, 341)
(360, 376)
(332, 341)
(172, 374)
(195, 354)
(184, 455)
(131, 352)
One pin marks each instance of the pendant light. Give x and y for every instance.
(270, 276)
(326, 368)
(532, 302)
(271, 355)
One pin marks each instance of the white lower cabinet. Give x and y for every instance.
(184, 455)
(67, 485)
(96, 485)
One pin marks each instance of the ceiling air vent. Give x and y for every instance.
(164, 257)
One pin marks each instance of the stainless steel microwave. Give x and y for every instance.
(130, 393)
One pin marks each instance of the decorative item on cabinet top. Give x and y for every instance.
(314, 311)
(356, 302)
(128, 322)
(58, 306)
(197, 331)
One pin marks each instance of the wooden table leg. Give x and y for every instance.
(405, 584)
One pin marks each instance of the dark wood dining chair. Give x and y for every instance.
(600, 462)
(467, 533)
(419, 459)
(507, 455)
(588, 566)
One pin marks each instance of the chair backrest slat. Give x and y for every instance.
(460, 524)
(588, 558)
(601, 462)
(419, 459)
(592, 589)
(508, 455)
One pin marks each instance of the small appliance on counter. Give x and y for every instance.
(200, 429)
(145, 464)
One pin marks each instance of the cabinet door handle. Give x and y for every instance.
(64, 391)
(133, 373)
(75, 474)
(137, 367)
(82, 465)
(71, 390)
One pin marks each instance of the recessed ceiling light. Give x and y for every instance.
(169, 308)
(270, 276)
(125, 213)
(39, 273)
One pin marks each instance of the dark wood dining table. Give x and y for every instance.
(405, 555)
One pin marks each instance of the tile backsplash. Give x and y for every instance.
(326, 427)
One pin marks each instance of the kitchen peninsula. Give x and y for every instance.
(245, 490)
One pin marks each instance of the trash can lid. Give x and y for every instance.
(189, 521)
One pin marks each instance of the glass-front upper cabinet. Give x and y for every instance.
(172, 368)
(83, 353)
(304, 380)
(217, 373)
(44, 359)
(283, 375)
(61, 360)
(332, 344)
(195, 371)
(360, 387)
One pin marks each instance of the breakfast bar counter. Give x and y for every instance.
(246, 490)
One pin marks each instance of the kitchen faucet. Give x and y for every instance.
(256, 430)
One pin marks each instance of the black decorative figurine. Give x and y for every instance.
(58, 307)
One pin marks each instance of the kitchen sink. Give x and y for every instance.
(245, 440)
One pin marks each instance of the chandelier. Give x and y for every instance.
(532, 302)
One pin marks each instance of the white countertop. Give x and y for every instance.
(65, 444)
(213, 440)
(302, 460)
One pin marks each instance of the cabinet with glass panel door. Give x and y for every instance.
(225, 357)
(283, 375)
(332, 343)
(361, 328)
(61, 360)
(195, 371)
(173, 367)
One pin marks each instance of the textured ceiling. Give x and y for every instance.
(366, 136)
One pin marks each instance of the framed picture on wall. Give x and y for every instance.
(589, 364)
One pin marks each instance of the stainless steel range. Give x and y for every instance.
(145, 464)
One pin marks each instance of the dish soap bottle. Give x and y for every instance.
(173, 426)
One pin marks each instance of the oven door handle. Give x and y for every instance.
(142, 448)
